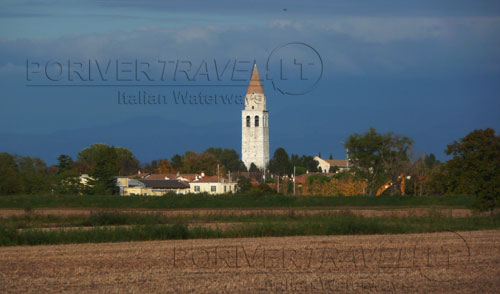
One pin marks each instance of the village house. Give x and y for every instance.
(212, 185)
(326, 164)
(161, 184)
(131, 187)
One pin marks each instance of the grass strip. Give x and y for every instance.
(335, 224)
(29, 202)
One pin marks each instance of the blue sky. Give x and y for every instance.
(425, 69)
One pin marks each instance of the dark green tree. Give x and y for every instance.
(10, 181)
(126, 160)
(475, 167)
(227, 157)
(64, 163)
(431, 161)
(253, 168)
(151, 167)
(106, 168)
(34, 174)
(67, 180)
(87, 157)
(280, 163)
(242, 167)
(299, 170)
(177, 162)
(309, 163)
(244, 184)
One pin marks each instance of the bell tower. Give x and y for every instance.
(255, 125)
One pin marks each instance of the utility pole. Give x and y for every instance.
(346, 154)
(293, 180)
(218, 178)
(278, 184)
(347, 157)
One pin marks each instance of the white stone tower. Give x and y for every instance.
(255, 125)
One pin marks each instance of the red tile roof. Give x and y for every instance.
(337, 162)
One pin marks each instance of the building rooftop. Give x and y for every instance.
(255, 86)
(337, 162)
(165, 184)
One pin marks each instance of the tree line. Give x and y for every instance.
(376, 158)
(474, 167)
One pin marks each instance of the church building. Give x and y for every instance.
(255, 125)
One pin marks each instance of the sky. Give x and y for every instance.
(429, 70)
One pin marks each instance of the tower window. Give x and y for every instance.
(256, 120)
(248, 121)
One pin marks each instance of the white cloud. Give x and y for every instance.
(390, 29)
(348, 45)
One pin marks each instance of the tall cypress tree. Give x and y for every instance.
(104, 174)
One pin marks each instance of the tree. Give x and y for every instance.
(253, 168)
(165, 167)
(34, 174)
(195, 163)
(177, 162)
(125, 158)
(379, 157)
(128, 162)
(299, 170)
(23, 174)
(474, 168)
(243, 185)
(65, 163)
(304, 163)
(227, 157)
(280, 163)
(87, 157)
(431, 161)
(10, 181)
(425, 176)
(151, 167)
(106, 168)
(309, 163)
(67, 181)
(242, 167)
(365, 152)
(395, 158)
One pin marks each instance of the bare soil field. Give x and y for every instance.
(449, 262)
(368, 212)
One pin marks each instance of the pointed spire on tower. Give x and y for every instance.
(255, 86)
